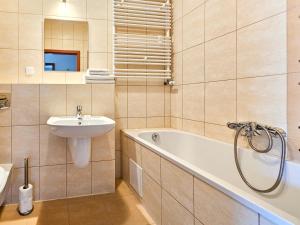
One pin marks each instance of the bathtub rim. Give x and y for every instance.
(254, 203)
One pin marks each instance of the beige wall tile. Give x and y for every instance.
(103, 147)
(97, 9)
(167, 101)
(75, 77)
(176, 101)
(31, 6)
(136, 101)
(98, 35)
(152, 198)
(5, 145)
(177, 36)
(268, 94)
(176, 123)
(213, 207)
(151, 164)
(54, 77)
(193, 102)
(79, 180)
(71, 9)
(79, 94)
(177, 68)
(97, 60)
(155, 101)
(103, 177)
(32, 58)
(58, 177)
(189, 5)
(5, 115)
(293, 40)
(25, 104)
(125, 168)
(178, 183)
(193, 126)
(53, 149)
(25, 143)
(218, 132)
(177, 9)
(30, 28)
(9, 6)
(134, 151)
(193, 28)
(121, 101)
(220, 102)
(220, 18)
(155, 122)
(118, 164)
(257, 45)
(18, 180)
(121, 123)
(193, 65)
(173, 213)
(293, 110)
(220, 58)
(293, 3)
(52, 101)
(135, 123)
(8, 29)
(8, 66)
(252, 11)
(103, 100)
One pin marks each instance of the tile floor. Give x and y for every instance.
(120, 208)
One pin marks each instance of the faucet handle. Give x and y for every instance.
(79, 108)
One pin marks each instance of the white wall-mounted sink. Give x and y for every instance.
(79, 132)
(72, 127)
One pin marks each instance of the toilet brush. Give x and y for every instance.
(25, 194)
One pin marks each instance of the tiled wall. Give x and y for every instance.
(24, 133)
(140, 104)
(230, 63)
(22, 40)
(294, 77)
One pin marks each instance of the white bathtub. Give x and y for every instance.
(213, 162)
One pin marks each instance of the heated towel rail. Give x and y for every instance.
(142, 45)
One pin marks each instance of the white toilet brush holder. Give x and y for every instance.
(25, 194)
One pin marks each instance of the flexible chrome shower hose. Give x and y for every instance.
(282, 158)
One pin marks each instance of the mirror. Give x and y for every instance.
(65, 45)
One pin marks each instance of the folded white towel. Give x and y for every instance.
(98, 71)
(99, 77)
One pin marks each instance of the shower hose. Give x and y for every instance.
(275, 132)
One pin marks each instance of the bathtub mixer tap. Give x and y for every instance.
(251, 129)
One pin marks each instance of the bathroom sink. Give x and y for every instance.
(79, 131)
(87, 126)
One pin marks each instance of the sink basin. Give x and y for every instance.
(88, 126)
(79, 133)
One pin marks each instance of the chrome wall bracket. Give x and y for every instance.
(4, 101)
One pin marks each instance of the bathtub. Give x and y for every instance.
(5, 173)
(212, 161)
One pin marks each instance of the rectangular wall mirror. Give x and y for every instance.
(66, 45)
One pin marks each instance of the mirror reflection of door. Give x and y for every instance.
(66, 46)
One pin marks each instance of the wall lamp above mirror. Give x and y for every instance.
(65, 45)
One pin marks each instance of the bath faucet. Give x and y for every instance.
(79, 112)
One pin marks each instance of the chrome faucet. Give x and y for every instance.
(79, 112)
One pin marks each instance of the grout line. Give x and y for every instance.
(204, 86)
